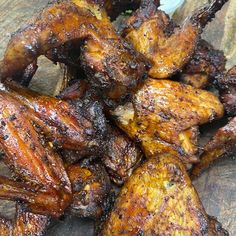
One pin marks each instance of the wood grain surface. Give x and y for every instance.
(216, 187)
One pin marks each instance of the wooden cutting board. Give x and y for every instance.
(216, 187)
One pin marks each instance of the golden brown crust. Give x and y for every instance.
(158, 199)
(91, 188)
(223, 142)
(78, 125)
(112, 66)
(5, 227)
(162, 114)
(27, 223)
(146, 30)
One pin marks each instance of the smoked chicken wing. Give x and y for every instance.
(227, 86)
(113, 67)
(163, 116)
(159, 199)
(150, 31)
(206, 65)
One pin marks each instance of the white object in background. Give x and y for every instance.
(170, 6)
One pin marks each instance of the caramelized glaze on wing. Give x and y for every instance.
(112, 66)
(159, 199)
(163, 112)
(148, 30)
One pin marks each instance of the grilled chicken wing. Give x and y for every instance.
(206, 65)
(91, 188)
(31, 158)
(78, 125)
(25, 223)
(223, 142)
(163, 115)
(148, 30)
(159, 199)
(227, 87)
(120, 155)
(27, 121)
(112, 65)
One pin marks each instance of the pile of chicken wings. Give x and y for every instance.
(128, 119)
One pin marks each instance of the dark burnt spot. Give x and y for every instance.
(12, 117)
(140, 232)
(3, 123)
(5, 137)
(203, 221)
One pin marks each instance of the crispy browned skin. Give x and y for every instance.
(147, 30)
(26, 119)
(112, 66)
(33, 160)
(25, 223)
(121, 155)
(223, 142)
(163, 112)
(159, 199)
(227, 87)
(91, 188)
(206, 65)
(78, 125)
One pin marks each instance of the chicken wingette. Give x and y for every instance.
(113, 67)
(222, 143)
(32, 127)
(163, 116)
(148, 29)
(90, 187)
(159, 199)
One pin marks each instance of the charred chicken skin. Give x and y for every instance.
(159, 199)
(206, 65)
(91, 188)
(163, 116)
(148, 29)
(25, 223)
(222, 143)
(31, 125)
(112, 65)
(227, 86)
